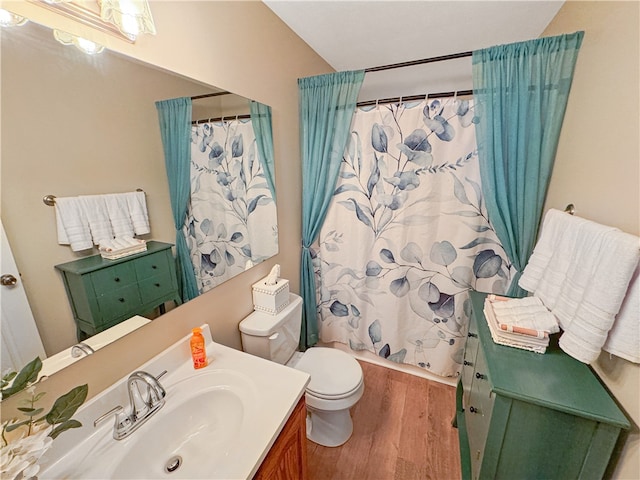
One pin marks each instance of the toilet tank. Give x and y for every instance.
(274, 337)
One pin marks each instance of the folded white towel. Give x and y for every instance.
(554, 255)
(616, 261)
(119, 215)
(95, 210)
(524, 342)
(528, 312)
(624, 337)
(583, 265)
(73, 226)
(137, 205)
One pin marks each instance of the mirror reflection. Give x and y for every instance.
(75, 124)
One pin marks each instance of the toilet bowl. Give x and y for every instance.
(336, 382)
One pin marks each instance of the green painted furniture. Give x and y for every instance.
(103, 293)
(525, 415)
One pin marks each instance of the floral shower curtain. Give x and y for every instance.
(231, 203)
(407, 236)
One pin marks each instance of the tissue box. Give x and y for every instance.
(271, 298)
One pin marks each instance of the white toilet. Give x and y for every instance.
(336, 378)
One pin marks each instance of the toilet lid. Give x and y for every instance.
(333, 373)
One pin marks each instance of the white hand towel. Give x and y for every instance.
(119, 214)
(624, 337)
(137, 205)
(95, 210)
(73, 227)
(583, 261)
(547, 269)
(616, 261)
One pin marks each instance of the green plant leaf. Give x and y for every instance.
(13, 426)
(31, 412)
(27, 375)
(65, 406)
(63, 427)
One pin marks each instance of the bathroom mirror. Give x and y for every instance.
(77, 124)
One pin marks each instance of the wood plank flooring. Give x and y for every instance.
(402, 431)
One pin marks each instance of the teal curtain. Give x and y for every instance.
(261, 122)
(174, 116)
(327, 103)
(521, 93)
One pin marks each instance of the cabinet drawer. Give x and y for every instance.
(478, 413)
(155, 287)
(468, 364)
(113, 278)
(152, 265)
(117, 302)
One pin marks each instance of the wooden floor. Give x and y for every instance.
(402, 430)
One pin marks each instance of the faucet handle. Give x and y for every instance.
(121, 420)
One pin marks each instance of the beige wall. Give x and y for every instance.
(238, 46)
(598, 163)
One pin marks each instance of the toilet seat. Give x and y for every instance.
(334, 374)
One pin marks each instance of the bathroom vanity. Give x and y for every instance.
(287, 459)
(522, 414)
(241, 417)
(103, 293)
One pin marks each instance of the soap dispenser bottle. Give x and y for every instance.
(198, 350)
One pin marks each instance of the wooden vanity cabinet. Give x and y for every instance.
(103, 293)
(522, 414)
(287, 459)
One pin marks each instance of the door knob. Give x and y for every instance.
(8, 280)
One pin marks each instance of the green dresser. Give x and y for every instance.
(103, 293)
(525, 415)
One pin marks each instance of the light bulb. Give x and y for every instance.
(8, 19)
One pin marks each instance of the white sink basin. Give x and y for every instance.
(195, 432)
(218, 422)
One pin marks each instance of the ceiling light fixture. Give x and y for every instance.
(132, 17)
(80, 43)
(8, 19)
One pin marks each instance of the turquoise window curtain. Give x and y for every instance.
(521, 93)
(327, 103)
(174, 116)
(261, 122)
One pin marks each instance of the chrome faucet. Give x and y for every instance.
(146, 397)
(80, 349)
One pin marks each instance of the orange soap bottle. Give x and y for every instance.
(198, 350)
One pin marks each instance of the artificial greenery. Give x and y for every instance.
(59, 417)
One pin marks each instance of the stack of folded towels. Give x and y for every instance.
(121, 247)
(520, 322)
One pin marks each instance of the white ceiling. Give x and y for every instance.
(352, 35)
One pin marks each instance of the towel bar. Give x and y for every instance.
(50, 200)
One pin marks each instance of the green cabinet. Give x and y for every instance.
(525, 415)
(103, 293)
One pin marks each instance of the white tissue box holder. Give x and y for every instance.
(270, 298)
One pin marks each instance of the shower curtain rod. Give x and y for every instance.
(410, 98)
(218, 119)
(207, 95)
(411, 63)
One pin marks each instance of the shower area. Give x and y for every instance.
(428, 196)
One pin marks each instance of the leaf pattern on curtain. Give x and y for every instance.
(407, 236)
(231, 204)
